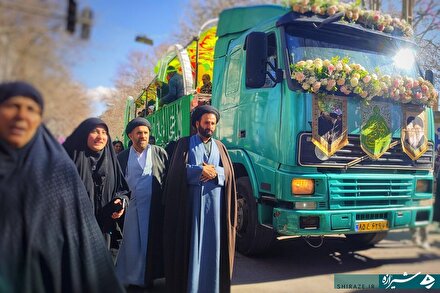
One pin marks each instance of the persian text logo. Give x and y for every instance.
(407, 281)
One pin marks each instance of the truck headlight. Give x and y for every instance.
(423, 186)
(301, 186)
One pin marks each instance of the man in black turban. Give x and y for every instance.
(140, 258)
(139, 121)
(200, 211)
(50, 239)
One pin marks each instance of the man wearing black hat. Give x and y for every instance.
(140, 259)
(175, 86)
(200, 211)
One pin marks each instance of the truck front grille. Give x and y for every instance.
(369, 192)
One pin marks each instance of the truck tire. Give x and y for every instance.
(365, 240)
(252, 238)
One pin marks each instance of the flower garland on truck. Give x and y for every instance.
(353, 13)
(326, 76)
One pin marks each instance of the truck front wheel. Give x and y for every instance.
(252, 238)
(365, 239)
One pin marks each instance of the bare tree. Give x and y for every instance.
(33, 42)
(427, 26)
(133, 76)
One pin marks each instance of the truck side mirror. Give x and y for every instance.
(429, 75)
(256, 55)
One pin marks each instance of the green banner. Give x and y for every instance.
(376, 129)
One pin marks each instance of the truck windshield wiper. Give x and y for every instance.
(330, 19)
(363, 158)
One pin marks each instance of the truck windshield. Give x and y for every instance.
(387, 57)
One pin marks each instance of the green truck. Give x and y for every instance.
(328, 123)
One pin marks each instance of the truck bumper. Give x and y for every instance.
(320, 222)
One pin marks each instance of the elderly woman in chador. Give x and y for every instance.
(50, 241)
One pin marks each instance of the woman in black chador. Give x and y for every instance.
(50, 241)
(90, 148)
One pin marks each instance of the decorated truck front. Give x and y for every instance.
(328, 124)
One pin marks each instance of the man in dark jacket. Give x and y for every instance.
(200, 211)
(144, 166)
(175, 87)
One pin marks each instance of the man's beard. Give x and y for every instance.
(204, 132)
(142, 144)
(415, 138)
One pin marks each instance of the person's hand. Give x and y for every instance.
(208, 172)
(117, 215)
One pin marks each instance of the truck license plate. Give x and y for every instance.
(369, 226)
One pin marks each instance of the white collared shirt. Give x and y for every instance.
(141, 157)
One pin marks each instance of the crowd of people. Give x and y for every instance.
(66, 208)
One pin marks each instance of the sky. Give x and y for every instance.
(116, 24)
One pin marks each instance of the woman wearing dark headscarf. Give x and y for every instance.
(118, 146)
(50, 241)
(90, 148)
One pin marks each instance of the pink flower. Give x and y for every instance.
(396, 82)
(366, 79)
(301, 63)
(407, 98)
(425, 88)
(316, 9)
(380, 27)
(316, 86)
(345, 90)
(330, 68)
(332, 10)
(419, 95)
(299, 76)
(376, 17)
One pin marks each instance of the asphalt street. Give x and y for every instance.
(293, 266)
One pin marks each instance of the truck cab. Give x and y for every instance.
(293, 179)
